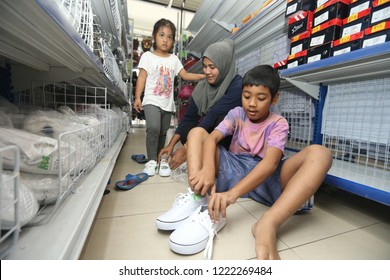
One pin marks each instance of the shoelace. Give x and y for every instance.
(164, 164)
(181, 197)
(208, 251)
(200, 218)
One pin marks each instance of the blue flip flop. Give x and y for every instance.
(131, 181)
(139, 158)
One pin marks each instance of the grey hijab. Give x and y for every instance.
(222, 55)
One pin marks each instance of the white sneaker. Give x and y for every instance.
(184, 205)
(195, 234)
(307, 206)
(150, 167)
(164, 170)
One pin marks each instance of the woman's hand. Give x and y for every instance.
(165, 151)
(178, 157)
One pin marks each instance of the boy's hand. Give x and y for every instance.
(201, 182)
(218, 202)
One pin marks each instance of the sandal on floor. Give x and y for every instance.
(131, 181)
(139, 158)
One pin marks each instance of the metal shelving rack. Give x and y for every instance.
(368, 63)
(313, 79)
(37, 35)
(41, 45)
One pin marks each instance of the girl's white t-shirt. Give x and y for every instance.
(160, 80)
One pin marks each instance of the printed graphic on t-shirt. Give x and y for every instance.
(163, 81)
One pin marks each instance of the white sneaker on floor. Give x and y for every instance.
(184, 205)
(196, 234)
(307, 206)
(150, 167)
(164, 170)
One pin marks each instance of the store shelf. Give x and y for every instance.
(68, 229)
(365, 181)
(220, 22)
(37, 38)
(106, 19)
(370, 62)
(264, 27)
(211, 32)
(203, 14)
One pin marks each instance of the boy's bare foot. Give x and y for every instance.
(265, 237)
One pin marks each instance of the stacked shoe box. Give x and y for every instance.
(366, 25)
(348, 43)
(379, 30)
(352, 30)
(333, 27)
(380, 12)
(357, 21)
(281, 65)
(300, 21)
(376, 34)
(327, 23)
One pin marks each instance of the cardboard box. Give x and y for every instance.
(319, 52)
(281, 65)
(319, 3)
(348, 43)
(294, 6)
(356, 6)
(380, 12)
(330, 10)
(297, 59)
(326, 32)
(376, 34)
(300, 42)
(356, 23)
(300, 23)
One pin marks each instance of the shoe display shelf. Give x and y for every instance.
(63, 235)
(39, 35)
(86, 158)
(361, 161)
(69, 43)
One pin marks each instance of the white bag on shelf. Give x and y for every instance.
(27, 205)
(38, 154)
(46, 188)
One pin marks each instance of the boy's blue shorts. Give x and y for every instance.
(232, 168)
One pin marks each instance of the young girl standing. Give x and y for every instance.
(157, 71)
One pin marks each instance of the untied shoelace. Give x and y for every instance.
(208, 252)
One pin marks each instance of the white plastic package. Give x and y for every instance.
(27, 205)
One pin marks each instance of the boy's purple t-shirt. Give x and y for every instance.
(254, 138)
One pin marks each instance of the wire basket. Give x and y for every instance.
(299, 110)
(80, 16)
(356, 122)
(74, 131)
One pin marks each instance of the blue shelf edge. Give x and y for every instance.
(365, 191)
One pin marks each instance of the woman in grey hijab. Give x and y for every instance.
(211, 99)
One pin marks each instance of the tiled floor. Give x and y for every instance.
(340, 226)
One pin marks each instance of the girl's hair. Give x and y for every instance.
(160, 23)
(263, 75)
